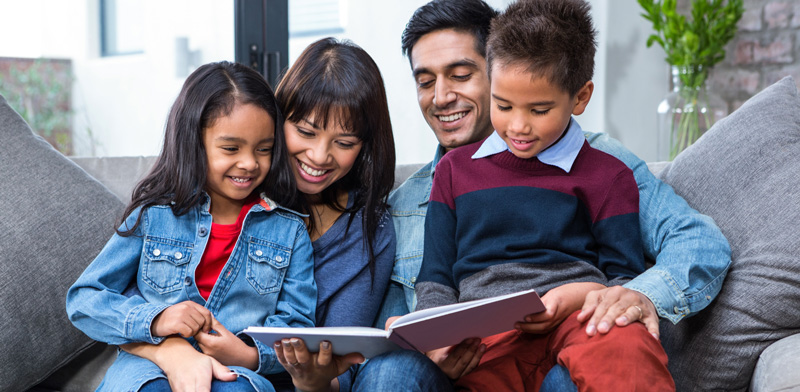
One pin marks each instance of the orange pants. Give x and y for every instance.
(624, 359)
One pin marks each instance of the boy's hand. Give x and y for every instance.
(186, 319)
(313, 371)
(559, 302)
(456, 361)
(226, 347)
(618, 305)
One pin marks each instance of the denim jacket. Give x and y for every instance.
(267, 281)
(691, 254)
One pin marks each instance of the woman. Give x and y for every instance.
(339, 138)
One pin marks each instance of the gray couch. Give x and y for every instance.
(56, 214)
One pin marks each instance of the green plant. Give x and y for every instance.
(40, 91)
(694, 45)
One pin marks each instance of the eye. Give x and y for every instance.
(503, 108)
(264, 150)
(462, 78)
(540, 112)
(230, 148)
(345, 144)
(304, 132)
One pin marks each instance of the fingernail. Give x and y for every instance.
(603, 326)
(622, 319)
(590, 329)
(286, 342)
(295, 342)
(326, 344)
(655, 336)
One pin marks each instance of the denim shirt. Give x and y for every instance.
(267, 281)
(691, 254)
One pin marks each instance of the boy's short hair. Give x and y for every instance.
(472, 16)
(552, 38)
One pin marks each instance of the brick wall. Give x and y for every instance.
(765, 49)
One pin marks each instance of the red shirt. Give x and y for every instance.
(218, 250)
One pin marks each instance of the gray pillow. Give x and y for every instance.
(54, 219)
(745, 173)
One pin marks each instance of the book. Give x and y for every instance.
(422, 330)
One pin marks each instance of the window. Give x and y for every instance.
(121, 27)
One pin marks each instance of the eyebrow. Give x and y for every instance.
(461, 63)
(538, 103)
(315, 126)
(234, 139)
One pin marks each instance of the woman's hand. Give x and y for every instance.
(186, 319)
(313, 371)
(456, 361)
(226, 347)
(186, 368)
(618, 305)
(559, 302)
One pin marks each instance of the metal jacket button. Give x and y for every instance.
(178, 255)
(203, 231)
(188, 281)
(156, 252)
(259, 253)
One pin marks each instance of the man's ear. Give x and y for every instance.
(582, 97)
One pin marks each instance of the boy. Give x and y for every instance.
(533, 206)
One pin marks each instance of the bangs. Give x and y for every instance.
(326, 100)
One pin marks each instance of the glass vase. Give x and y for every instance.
(687, 112)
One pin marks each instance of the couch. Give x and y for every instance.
(56, 213)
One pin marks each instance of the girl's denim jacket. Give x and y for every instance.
(268, 280)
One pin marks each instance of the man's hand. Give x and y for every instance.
(226, 347)
(456, 361)
(313, 371)
(186, 319)
(618, 305)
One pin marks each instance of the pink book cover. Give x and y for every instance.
(447, 325)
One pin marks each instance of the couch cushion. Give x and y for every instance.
(54, 219)
(745, 173)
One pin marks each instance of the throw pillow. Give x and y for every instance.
(54, 219)
(745, 174)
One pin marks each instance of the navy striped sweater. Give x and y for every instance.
(502, 224)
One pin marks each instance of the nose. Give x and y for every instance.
(318, 154)
(517, 124)
(443, 93)
(248, 162)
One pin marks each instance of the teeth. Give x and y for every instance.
(452, 117)
(522, 142)
(240, 180)
(312, 172)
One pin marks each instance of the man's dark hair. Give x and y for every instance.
(553, 38)
(471, 16)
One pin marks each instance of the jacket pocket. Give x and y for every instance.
(266, 265)
(164, 263)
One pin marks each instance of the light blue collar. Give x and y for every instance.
(561, 154)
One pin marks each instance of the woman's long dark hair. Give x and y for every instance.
(338, 80)
(179, 175)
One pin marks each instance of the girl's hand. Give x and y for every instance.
(559, 302)
(313, 371)
(186, 319)
(456, 361)
(226, 347)
(186, 368)
(618, 305)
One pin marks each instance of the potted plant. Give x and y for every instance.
(693, 46)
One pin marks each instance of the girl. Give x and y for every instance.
(205, 250)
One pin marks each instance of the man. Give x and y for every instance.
(445, 43)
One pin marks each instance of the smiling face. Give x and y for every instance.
(452, 87)
(530, 112)
(239, 152)
(320, 157)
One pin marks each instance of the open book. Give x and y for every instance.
(423, 330)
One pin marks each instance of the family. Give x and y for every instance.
(251, 186)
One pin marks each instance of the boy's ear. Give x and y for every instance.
(582, 98)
